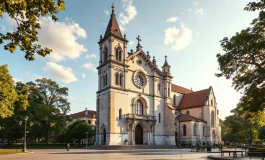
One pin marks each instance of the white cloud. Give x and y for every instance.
(89, 66)
(128, 14)
(131, 43)
(83, 75)
(17, 80)
(122, 28)
(189, 9)
(32, 76)
(196, 3)
(60, 72)
(62, 38)
(106, 12)
(178, 39)
(172, 19)
(87, 56)
(198, 33)
(199, 11)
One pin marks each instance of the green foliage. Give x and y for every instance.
(27, 14)
(244, 60)
(78, 129)
(261, 133)
(11, 96)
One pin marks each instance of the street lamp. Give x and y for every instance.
(86, 139)
(25, 133)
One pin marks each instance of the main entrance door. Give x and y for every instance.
(138, 135)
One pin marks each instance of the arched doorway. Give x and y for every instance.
(138, 135)
(104, 137)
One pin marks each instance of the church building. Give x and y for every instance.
(137, 103)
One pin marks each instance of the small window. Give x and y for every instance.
(89, 122)
(187, 112)
(158, 88)
(174, 100)
(168, 92)
(184, 130)
(105, 54)
(203, 130)
(120, 113)
(106, 79)
(212, 102)
(120, 79)
(117, 79)
(159, 118)
(103, 80)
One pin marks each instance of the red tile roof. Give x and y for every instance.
(90, 113)
(187, 117)
(180, 89)
(194, 99)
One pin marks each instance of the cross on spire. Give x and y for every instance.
(138, 38)
(139, 47)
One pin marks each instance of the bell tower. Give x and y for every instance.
(111, 73)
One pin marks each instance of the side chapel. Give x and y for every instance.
(137, 101)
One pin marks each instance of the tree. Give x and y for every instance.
(78, 129)
(10, 95)
(244, 60)
(261, 133)
(49, 104)
(27, 15)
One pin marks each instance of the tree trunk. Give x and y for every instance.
(47, 132)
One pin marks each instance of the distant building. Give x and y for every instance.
(87, 115)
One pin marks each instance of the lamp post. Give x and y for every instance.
(25, 133)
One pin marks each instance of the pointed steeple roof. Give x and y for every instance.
(166, 64)
(113, 27)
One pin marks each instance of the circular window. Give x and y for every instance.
(139, 62)
(139, 79)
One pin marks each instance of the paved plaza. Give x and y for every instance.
(82, 154)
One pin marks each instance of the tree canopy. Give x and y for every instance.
(78, 129)
(27, 15)
(11, 96)
(244, 60)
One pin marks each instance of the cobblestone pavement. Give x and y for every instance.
(82, 154)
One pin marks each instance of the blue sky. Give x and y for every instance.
(188, 32)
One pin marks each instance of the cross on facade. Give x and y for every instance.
(138, 38)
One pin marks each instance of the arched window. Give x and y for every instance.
(158, 87)
(120, 113)
(105, 54)
(187, 112)
(139, 108)
(103, 80)
(106, 79)
(195, 129)
(203, 128)
(184, 130)
(120, 79)
(118, 54)
(174, 99)
(117, 78)
(212, 119)
(159, 118)
(211, 102)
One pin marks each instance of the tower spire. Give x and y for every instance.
(113, 27)
(112, 7)
(166, 64)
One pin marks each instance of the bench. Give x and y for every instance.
(261, 153)
(234, 153)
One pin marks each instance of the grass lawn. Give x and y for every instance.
(9, 151)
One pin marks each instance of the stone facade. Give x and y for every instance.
(137, 102)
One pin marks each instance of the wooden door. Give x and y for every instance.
(138, 135)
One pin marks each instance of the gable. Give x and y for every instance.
(146, 65)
